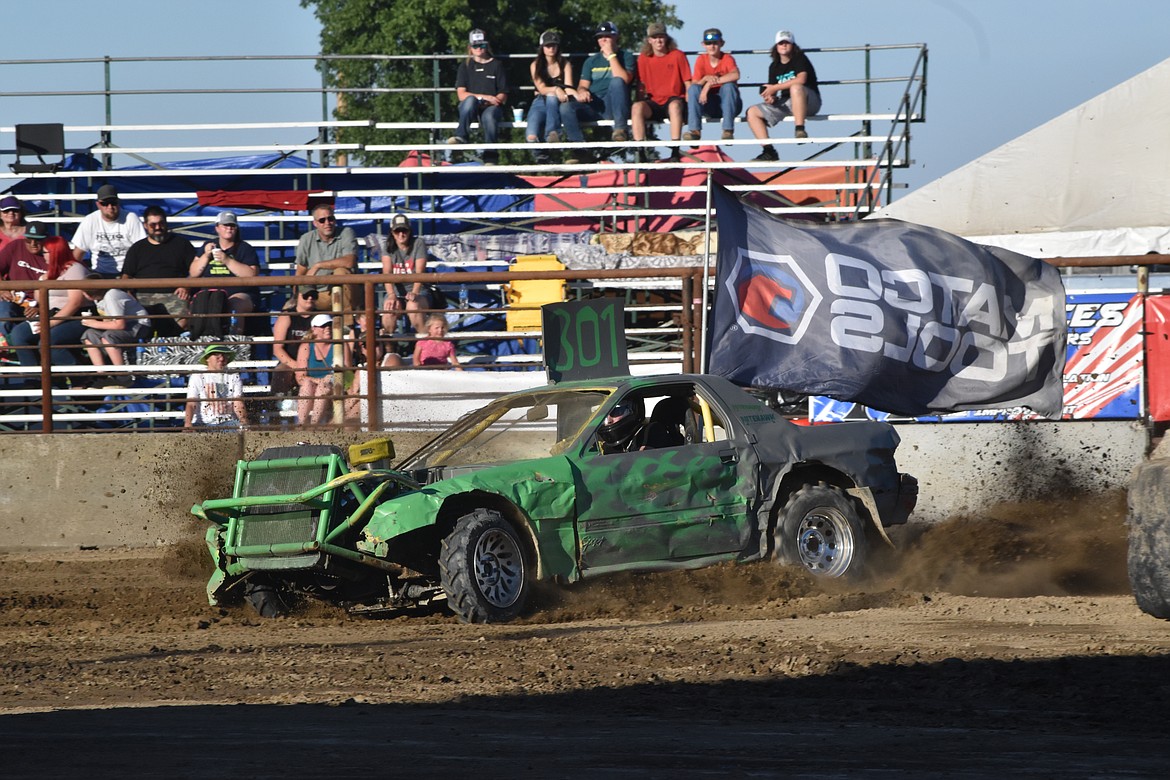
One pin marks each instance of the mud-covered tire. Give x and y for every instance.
(1149, 538)
(820, 530)
(264, 597)
(483, 569)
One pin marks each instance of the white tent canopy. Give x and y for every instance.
(1092, 182)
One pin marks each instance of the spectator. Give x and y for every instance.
(21, 261)
(224, 257)
(215, 398)
(107, 234)
(482, 88)
(326, 250)
(289, 330)
(604, 89)
(791, 91)
(12, 220)
(435, 349)
(315, 370)
(63, 305)
(120, 323)
(161, 255)
(552, 76)
(665, 76)
(405, 254)
(713, 92)
(361, 366)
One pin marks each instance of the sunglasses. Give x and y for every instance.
(108, 202)
(311, 295)
(784, 43)
(479, 45)
(325, 220)
(712, 41)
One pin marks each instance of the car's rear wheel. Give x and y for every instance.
(483, 570)
(1149, 538)
(820, 530)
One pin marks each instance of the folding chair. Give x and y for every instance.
(39, 141)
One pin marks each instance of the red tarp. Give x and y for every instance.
(285, 200)
(1158, 356)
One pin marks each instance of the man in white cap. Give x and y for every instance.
(227, 256)
(107, 234)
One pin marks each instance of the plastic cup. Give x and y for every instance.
(517, 115)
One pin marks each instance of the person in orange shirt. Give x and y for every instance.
(714, 91)
(665, 76)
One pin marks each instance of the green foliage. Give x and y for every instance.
(401, 90)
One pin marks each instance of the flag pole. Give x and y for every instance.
(706, 282)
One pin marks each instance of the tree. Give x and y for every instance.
(390, 89)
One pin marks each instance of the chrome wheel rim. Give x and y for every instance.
(825, 543)
(499, 568)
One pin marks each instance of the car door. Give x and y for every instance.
(661, 507)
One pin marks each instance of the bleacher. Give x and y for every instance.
(873, 96)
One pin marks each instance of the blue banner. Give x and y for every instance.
(903, 318)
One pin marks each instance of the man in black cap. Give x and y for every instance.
(21, 261)
(107, 234)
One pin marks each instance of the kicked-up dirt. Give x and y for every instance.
(1005, 643)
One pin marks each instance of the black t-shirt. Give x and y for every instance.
(482, 78)
(168, 260)
(779, 72)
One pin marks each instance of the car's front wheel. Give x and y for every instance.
(820, 529)
(483, 570)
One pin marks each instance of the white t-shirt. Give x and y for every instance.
(107, 242)
(216, 394)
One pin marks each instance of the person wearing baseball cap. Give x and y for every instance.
(315, 371)
(665, 76)
(22, 261)
(224, 257)
(791, 90)
(552, 78)
(481, 85)
(603, 89)
(215, 398)
(11, 219)
(404, 253)
(714, 91)
(107, 234)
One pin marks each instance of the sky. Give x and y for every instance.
(997, 68)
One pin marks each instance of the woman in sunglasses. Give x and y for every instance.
(482, 88)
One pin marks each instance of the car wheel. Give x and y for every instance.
(483, 569)
(1149, 539)
(820, 529)
(264, 597)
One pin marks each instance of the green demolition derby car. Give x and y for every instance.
(562, 482)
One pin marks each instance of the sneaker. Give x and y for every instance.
(553, 137)
(620, 136)
(768, 155)
(456, 140)
(728, 135)
(800, 133)
(692, 135)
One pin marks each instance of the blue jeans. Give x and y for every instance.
(10, 311)
(615, 106)
(68, 332)
(544, 117)
(727, 107)
(488, 115)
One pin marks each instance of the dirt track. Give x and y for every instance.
(1005, 643)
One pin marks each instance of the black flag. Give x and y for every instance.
(900, 317)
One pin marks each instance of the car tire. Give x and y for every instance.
(820, 530)
(1149, 539)
(264, 597)
(483, 569)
